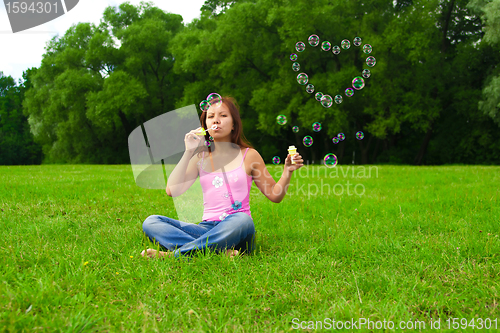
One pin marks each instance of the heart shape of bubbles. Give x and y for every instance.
(357, 83)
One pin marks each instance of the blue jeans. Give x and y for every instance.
(235, 231)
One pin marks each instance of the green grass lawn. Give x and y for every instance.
(417, 244)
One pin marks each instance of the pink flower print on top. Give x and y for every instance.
(233, 177)
(217, 182)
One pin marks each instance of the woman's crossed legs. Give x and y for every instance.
(233, 234)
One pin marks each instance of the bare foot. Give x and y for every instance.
(232, 253)
(154, 253)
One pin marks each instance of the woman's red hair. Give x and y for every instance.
(237, 135)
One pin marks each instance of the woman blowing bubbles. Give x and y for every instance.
(226, 170)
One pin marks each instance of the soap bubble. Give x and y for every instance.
(211, 138)
(213, 96)
(345, 44)
(214, 99)
(338, 99)
(358, 83)
(367, 48)
(316, 127)
(330, 160)
(308, 141)
(310, 88)
(326, 101)
(313, 40)
(360, 135)
(326, 45)
(335, 140)
(293, 57)
(366, 73)
(204, 105)
(281, 119)
(341, 136)
(276, 160)
(302, 78)
(300, 46)
(349, 92)
(371, 61)
(318, 96)
(296, 66)
(295, 129)
(356, 41)
(208, 143)
(336, 49)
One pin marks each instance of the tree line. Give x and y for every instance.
(433, 96)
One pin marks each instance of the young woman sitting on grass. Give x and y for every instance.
(226, 181)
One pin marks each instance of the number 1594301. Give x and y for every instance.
(38, 7)
(477, 323)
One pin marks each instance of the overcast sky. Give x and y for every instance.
(24, 49)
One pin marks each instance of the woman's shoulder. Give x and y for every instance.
(251, 152)
(253, 156)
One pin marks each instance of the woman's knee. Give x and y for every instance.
(245, 222)
(149, 222)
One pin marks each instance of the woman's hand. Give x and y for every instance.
(193, 139)
(299, 162)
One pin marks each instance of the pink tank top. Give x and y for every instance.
(218, 188)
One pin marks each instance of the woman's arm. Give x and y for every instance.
(265, 182)
(183, 175)
(185, 172)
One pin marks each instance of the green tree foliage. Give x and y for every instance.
(97, 83)
(216, 7)
(490, 11)
(414, 87)
(220, 54)
(16, 141)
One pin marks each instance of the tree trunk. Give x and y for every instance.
(444, 45)
(423, 147)
(374, 156)
(364, 150)
(341, 151)
(125, 123)
(313, 155)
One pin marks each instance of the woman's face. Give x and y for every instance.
(220, 116)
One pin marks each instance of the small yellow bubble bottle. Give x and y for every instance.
(292, 151)
(202, 131)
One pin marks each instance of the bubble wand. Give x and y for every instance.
(204, 131)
